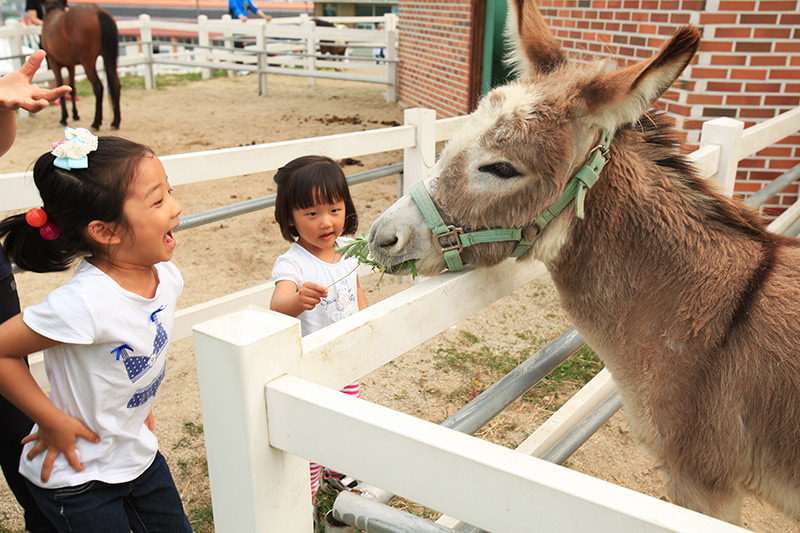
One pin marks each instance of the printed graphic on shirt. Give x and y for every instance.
(144, 394)
(137, 365)
(340, 297)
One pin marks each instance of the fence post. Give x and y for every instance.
(146, 36)
(311, 48)
(254, 488)
(419, 160)
(228, 41)
(261, 58)
(204, 41)
(390, 28)
(15, 45)
(727, 133)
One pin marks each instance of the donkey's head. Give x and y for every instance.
(519, 151)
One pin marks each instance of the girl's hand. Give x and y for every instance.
(59, 437)
(310, 294)
(150, 422)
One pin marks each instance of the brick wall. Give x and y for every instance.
(434, 55)
(747, 68)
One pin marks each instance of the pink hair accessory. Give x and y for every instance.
(36, 217)
(49, 232)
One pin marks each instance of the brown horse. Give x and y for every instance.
(691, 303)
(76, 37)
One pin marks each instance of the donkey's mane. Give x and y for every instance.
(659, 135)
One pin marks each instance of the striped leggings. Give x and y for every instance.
(354, 389)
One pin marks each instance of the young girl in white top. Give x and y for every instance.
(312, 282)
(92, 461)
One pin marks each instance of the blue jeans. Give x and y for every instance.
(147, 504)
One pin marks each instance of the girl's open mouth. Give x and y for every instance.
(169, 240)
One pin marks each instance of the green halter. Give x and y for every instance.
(451, 239)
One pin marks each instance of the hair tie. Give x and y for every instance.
(37, 218)
(73, 152)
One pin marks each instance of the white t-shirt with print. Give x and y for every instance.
(298, 265)
(106, 372)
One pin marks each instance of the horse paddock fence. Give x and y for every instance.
(290, 46)
(267, 393)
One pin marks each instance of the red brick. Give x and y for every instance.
(776, 151)
(728, 60)
(718, 18)
(762, 88)
(772, 33)
(708, 99)
(783, 164)
(692, 5)
(733, 5)
(792, 88)
(725, 87)
(746, 186)
(756, 18)
(680, 18)
(785, 100)
(769, 61)
(748, 74)
(792, 47)
(752, 163)
(764, 175)
(791, 74)
(716, 46)
(751, 46)
(743, 99)
(790, 19)
(756, 113)
(678, 109)
(739, 32)
(659, 17)
(693, 124)
(705, 73)
(779, 5)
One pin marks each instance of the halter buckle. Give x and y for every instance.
(449, 240)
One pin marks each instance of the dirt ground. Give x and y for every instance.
(237, 253)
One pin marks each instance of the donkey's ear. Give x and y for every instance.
(532, 48)
(622, 96)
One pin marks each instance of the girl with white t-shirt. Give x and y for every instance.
(92, 461)
(312, 282)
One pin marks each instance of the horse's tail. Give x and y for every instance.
(110, 50)
(110, 40)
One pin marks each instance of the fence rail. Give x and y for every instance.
(260, 487)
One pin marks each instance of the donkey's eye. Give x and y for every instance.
(501, 170)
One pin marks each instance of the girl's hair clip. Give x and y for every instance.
(37, 218)
(73, 152)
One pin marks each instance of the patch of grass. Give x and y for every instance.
(201, 517)
(133, 82)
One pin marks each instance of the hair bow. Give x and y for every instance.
(73, 152)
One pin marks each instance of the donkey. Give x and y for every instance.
(691, 303)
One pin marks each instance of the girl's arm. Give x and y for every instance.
(288, 300)
(361, 297)
(58, 431)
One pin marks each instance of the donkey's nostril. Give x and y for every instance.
(388, 242)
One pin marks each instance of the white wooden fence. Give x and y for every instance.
(267, 394)
(289, 45)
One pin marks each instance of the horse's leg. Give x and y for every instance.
(74, 93)
(97, 85)
(56, 68)
(114, 90)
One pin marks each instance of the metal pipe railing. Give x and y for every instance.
(774, 187)
(255, 204)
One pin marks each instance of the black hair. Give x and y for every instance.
(72, 199)
(307, 181)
